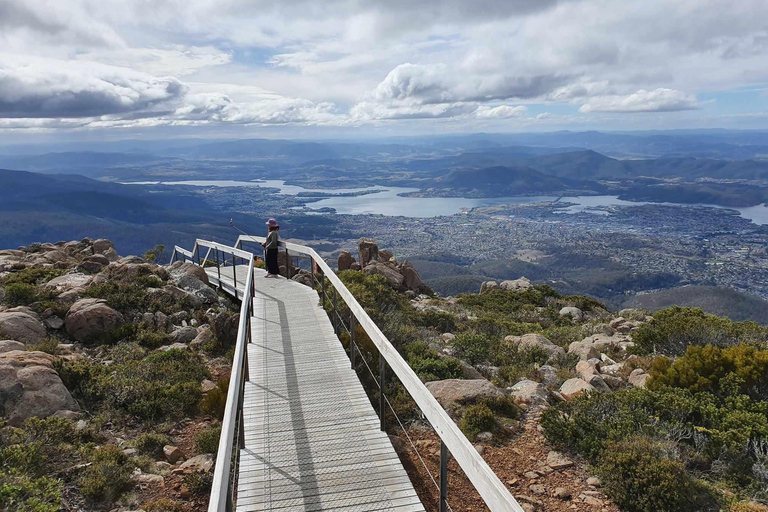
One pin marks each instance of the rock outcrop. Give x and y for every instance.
(345, 260)
(367, 251)
(453, 392)
(90, 318)
(29, 386)
(21, 324)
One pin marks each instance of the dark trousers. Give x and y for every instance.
(272, 266)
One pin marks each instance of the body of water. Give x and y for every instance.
(388, 201)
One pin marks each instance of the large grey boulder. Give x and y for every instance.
(69, 281)
(529, 392)
(102, 245)
(573, 312)
(393, 277)
(638, 378)
(183, 335)
(517, 285)
(584, 349)
(367, 251)
(197, 287)
(182, 268)
(21, 324)
(535, 341)
(90, 318)
(9, 345)
(487, 286)
(453, 392)
(574, 387)
(29, 386)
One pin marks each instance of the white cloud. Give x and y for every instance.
(658, 100)
(48, 88)
(501, 112)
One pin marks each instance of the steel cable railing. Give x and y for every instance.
(493, 492)
(232, 425)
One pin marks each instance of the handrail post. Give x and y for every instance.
(287, 264)
(443, 477)
(173, 256)
(382, 375)
(352, 339)
(218, 268)
(322, 284)
(197, 250)
(234, 273)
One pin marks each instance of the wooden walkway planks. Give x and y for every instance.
(312, 438)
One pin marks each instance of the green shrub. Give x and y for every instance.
(24, 457)
(508, 301)
(122, 297)
(207, 440)
(199, 482)
(497, 326)
(32, 275)
(47, 345)
(51, 430)
(674, 329)
(375, 295)
(706, 369)
(441, 321)
(502, 405)
(163, 386)
(21, 493)
(151, 443)
(155, 255)
(477, 418)
(109, 475)
(639, 475)
(20, 294)
(474, 348)
(428, 365)
(151, 339)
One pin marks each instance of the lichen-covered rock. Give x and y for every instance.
(90, 318)
(102, 245)
(29, 386)
(21, 324)
(529, 392)
(197, 287)
(517, 285)
(453, 392)
(183, 335)
(69, 281)
(9, 345)
(411, 278)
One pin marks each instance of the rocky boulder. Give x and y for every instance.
(10, 345)
(29, 386)
(529, 392)
(574, 387)
(575, 313)
(411, 278)
(89, 318)
(21, 324)
(454, 392)
(487, 286)
(102, 245)
(69, 281)
(367, 251)
(185, 268)
(535, 341)
(393, 277)
(638, 378)
(198, 288)
(517, 285)
(345, 260)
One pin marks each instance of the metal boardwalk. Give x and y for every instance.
(312, 438)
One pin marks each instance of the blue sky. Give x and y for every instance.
(358, 68)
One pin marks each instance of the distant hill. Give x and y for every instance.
(720, 301)
(501, 181)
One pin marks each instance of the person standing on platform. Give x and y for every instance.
(271, 248)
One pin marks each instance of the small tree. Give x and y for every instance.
(156, 254)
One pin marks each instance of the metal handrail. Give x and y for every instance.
(493, 492)
(221, 498)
